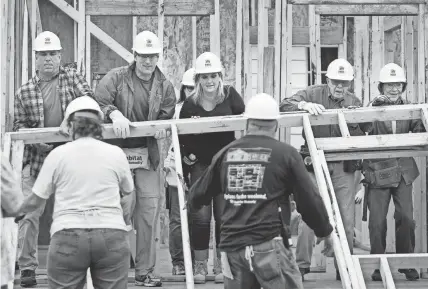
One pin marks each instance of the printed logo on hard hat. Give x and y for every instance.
(207, 63)
(341, 70)
(393, 73)
(47, 40)
(149, 43)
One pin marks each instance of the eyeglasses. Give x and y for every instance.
(212, 76)
(344, 83)
(392, 85)
(147, 56)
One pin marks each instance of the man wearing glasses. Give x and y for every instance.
(140, 92)
(315, 99)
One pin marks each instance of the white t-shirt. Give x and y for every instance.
(86, 176)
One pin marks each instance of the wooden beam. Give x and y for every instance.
(330, 35)
(342, 125)
(81, 37)
(314, 45)
(385, 271)
(377, 52)
(67, 9)
(378, 10)
(262, 21)
(11, 58)
(110, 42)
(268, 70)
(194, 39)
(24, 64)
(237, 123)
(361, 59)
(4, 63)
(33, 27)
(238, 64)
(149, 7)
(396, 261)
(215, 30)
(352, 2)
(421, 54)
(425, 30)
(247, 50)
(161, 23)
(277, 44)
(341, 250)
(358, 271)
(75, 31)
(424, 117)
(373, 142)
(392, 23)
(407, 59)
(88, 50)
(376, 154)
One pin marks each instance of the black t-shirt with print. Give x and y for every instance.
(205, 146)
(255, 175)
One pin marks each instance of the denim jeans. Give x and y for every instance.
(175, 240)
(200, 221)
(29, 227)
(72, 251)
(273, 267)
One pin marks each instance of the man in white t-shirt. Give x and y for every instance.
(88, 228)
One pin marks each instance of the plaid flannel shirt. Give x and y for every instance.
(29, 108)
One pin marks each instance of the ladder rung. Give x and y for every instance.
(342, 125)
(385, 271)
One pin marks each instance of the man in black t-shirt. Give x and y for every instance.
(256, 175)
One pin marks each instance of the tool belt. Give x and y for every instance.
(382, 174)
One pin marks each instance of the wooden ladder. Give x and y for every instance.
(350, 266)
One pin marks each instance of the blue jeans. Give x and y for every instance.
(175, 240)
(273, 266)
(72, 251)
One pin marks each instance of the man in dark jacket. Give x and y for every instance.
(393, 177)
(140, 92)
(315, 99)
(254, 176)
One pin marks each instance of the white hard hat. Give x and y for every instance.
(262, 106)
(340, 69)
(83, 103)
(208, 62)
(147, 42)
(189, 77)
(392, 73)
(47, 41)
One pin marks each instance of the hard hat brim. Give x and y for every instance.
(48, 49)
(340, 78)
(187, 83)
(249, 116)
(147, 51)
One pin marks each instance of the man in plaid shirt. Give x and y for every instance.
(41, 102)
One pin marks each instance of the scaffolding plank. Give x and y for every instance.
(342, 124)
(377, 10)
(352, 2)
(372, 142)
(149, 7)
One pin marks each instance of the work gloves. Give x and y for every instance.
(381, 100)
(312, 108)
(121, 126)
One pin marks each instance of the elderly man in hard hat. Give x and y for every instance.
(134, 93)
(315, 99)
(392, 177)
(41, 102)
(88, 177)
(254, 176)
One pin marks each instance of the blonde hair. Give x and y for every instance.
(198, 91)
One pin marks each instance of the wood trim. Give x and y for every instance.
(330, 35)
(362, 10)
(352, 2)
(149, 7)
